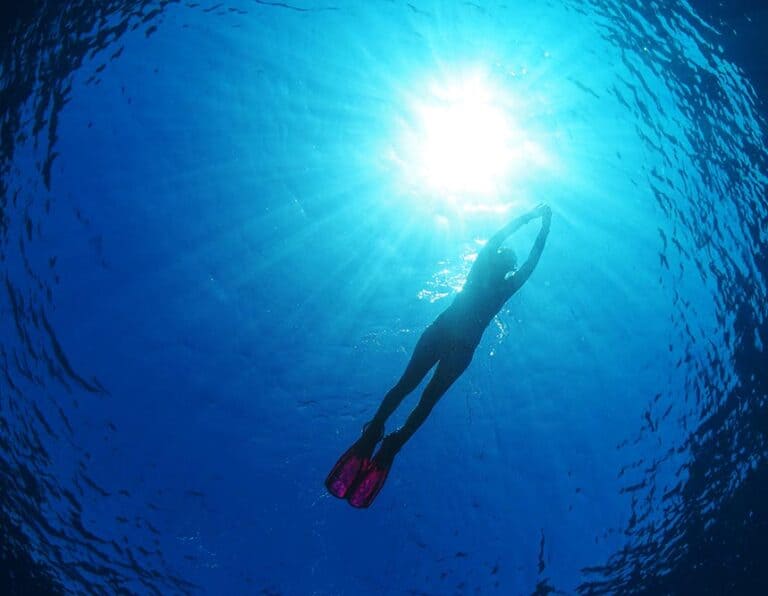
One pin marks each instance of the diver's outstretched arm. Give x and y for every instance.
(499, 237)
(521, 275)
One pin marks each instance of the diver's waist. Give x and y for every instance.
(462, 329)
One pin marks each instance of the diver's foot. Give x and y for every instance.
(353, 462)
(374, 430)
(371, 478)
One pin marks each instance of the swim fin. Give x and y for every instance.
(372, 477)
(356, 459)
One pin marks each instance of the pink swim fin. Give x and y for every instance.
(350, 465)
(371, 478)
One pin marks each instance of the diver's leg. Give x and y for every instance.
(371, 480)
(425, 355)
(449, 369)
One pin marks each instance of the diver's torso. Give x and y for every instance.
(471, 311)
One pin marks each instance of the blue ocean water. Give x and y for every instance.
(219, 249)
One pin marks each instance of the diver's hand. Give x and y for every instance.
(540, 210)
(498, 238)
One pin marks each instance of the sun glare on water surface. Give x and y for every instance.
(461, 145)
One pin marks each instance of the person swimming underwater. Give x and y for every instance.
(450, 342)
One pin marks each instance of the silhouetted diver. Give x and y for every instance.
(450, 341)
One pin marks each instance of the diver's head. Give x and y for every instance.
(507, 259)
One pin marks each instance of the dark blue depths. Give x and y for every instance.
(209, 280)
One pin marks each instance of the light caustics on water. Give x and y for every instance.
(680, 142)
(463, 141)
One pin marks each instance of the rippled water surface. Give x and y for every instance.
(218, 247)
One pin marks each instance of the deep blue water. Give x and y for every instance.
(218, 248)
